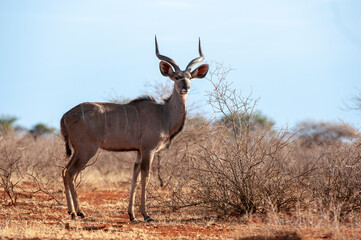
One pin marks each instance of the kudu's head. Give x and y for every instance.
(181, 78)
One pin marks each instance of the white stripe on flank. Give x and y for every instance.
(136, 127)
(82, 111)
(126, 117)
(136, 111)
(106, 123)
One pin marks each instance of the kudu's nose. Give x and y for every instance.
(184, 90)
(186, 87)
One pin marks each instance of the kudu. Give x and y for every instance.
(141, 125)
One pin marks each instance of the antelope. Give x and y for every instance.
(142, 125)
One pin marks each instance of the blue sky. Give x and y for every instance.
(301, 58)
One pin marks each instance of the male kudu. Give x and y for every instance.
(141, 125)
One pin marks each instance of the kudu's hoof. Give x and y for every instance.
(82, 216)
(73, 215)
(133, 219)
(148, 219)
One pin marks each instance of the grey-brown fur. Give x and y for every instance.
(142, 125)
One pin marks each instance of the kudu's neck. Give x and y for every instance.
(176, 109)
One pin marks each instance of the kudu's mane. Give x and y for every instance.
(150, 98)
(143, 98)
(165, 100)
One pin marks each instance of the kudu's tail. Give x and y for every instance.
(64, 132)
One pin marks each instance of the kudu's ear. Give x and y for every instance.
(166, 69)
(201, 71)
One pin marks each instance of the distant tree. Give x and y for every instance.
(255, 120)
(40, 129)
(197, 121)
(311, 132)
(6, 123)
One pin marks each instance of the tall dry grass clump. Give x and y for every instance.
(333, 184)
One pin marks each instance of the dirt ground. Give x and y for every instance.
(37, 216)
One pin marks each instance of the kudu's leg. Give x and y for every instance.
(134, 186)
(69, 199)
(75, 166)
(147, 159)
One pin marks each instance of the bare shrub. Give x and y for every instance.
(43, 162)
(30, 166)
(243, 168)
(10, 160)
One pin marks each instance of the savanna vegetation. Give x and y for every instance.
(235, 177)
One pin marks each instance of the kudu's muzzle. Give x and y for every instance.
(186, 86)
